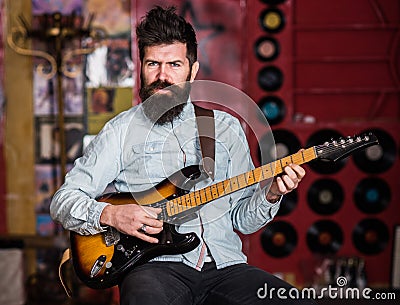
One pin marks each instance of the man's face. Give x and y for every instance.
(166, 63)
(163, 66)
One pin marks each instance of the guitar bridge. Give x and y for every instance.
(111, 237)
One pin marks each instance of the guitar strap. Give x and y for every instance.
(206, 131)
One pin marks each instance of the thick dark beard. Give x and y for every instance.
(161, 108)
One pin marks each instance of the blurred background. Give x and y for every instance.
(317, 69)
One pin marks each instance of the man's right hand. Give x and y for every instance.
(133, 219)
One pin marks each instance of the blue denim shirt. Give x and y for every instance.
(135, 155)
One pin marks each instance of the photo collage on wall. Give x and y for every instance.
(95, 88)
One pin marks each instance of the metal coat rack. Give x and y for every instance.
(55, 30)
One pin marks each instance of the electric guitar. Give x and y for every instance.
(101, 260)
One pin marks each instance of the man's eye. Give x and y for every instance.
(152, 64)
(175, 65)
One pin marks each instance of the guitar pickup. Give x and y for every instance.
(97, 266)
(111, 237)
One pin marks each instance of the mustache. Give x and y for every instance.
(158, 84)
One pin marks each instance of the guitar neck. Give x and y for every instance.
(200, 197)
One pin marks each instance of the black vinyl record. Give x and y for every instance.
(325, 196)
(377, 158)
(279, 239)
(372, 195)
(270, 78)
(324, 237)
(319, 165)
(266, 48)
(272, 20)
(273, 109)
(370, 236)
(286, 143)
(288, 203)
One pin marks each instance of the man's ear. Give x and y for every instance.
(195, 69)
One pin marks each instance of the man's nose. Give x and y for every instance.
(162, 75)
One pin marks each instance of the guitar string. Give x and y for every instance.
(181, 215)
(328, 148)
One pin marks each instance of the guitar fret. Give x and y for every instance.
(169, 208)
(183, 205)
(184, 201)
(234, 184)
(274, 170)
(221, 188)
(180, 205)
(262, 170)
(250, 178)
(214, 191)
(302, 157)
(203, 197)
(198, 198)
(175, 207)
(242, 180)
(266, 172)
(302, 154)
(188, 200)
(192, 200)
(297, 158)
(229, 186)
(285, 162)
(257, 174)
(208, 194)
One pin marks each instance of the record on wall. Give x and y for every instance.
(279, 239)
(273, 109)
(324, 237)
(377, 158)
(372, 195)
(270, 78)
(370, 236)
(286, 143)
(323, 166)
(325, 196)
(266, 48)
(272, 20)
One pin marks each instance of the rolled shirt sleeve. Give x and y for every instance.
(74, 204)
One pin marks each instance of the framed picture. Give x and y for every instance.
(47, 139)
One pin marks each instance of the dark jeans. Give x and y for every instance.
(169, 283)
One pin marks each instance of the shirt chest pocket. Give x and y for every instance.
(153, 159)
(222, 161)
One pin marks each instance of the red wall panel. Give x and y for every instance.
(341, 63)
(347, 217)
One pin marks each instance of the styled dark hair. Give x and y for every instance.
(164, 26)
